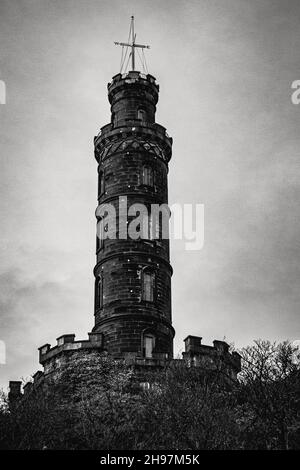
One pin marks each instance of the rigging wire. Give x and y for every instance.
(124, 56)
(141, 60)
(146, 68)
(121, 59)
(124, 59)
(127, 62)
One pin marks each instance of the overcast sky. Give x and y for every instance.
(225, 69)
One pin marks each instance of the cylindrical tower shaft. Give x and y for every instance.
(133, 275)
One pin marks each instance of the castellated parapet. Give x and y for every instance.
(215, 359)
(212, 358)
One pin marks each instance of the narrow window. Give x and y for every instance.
(101, 183)
(148, 176)
(99, 291)
(154, 227)
(149, 344)
(100, 234)
(142, 114)
(148, 285)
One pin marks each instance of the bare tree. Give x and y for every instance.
(270, 387)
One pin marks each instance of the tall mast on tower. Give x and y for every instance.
(132, 45)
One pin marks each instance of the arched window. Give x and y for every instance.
(99, 291)
(149, 344)
(148, 285)
(148, 176)
(101, 186)
(142, 114)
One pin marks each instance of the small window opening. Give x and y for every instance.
(149, 344)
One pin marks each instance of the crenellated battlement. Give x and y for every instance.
(66, 345)
(132, 78)
(207, 359)
(212, 358)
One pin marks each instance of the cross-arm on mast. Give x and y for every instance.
(132, 44)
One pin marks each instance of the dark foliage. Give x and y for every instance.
(97, 403)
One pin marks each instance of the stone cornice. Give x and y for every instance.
(121, 316)
(126, 254)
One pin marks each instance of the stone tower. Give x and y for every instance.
(133, 275)
(133, 319)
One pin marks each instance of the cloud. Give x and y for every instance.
(43, 294)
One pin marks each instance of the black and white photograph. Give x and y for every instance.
(150, 230)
